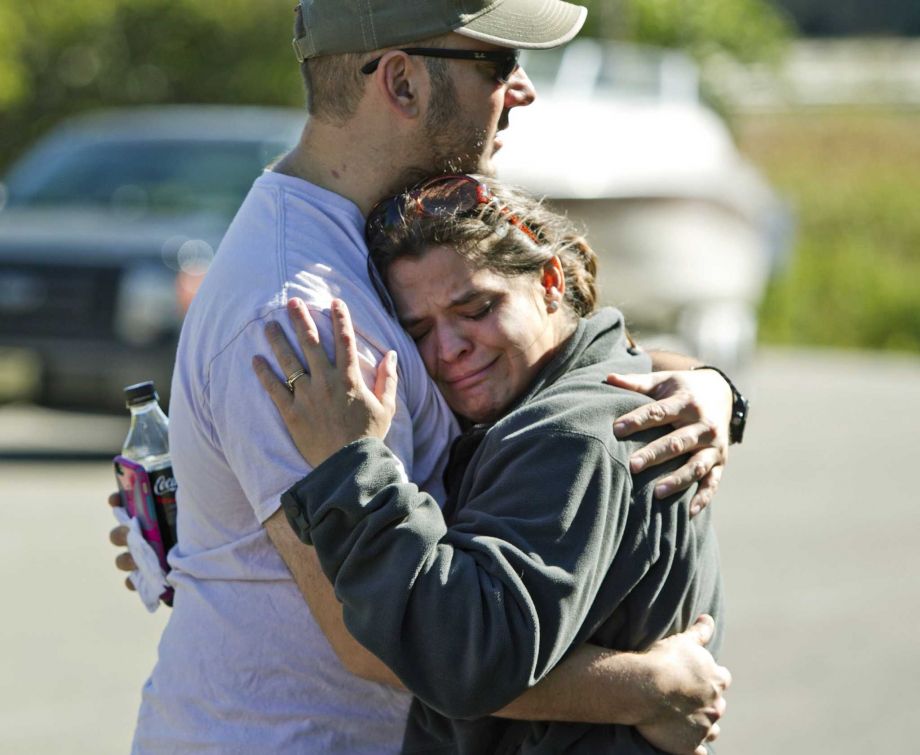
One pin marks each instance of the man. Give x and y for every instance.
(397, 90)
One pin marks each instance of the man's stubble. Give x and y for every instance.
(453, 143)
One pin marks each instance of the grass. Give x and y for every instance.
(854, 180)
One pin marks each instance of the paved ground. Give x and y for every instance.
(818, 518)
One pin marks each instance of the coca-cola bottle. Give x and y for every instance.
(144, 472)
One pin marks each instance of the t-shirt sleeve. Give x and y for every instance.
(250, 431)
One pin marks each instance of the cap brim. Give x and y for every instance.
(528, 24)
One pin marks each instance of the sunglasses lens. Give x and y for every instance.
(448, 195)
(437, 197)
(505, 67)
(383, 218)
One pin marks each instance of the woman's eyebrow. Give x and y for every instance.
(467, 296)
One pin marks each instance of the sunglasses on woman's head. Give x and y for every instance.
(441, 196)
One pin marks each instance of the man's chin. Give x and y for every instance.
(481, 164)
(486, 168)
(486, 165)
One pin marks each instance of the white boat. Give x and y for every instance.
(687, 230)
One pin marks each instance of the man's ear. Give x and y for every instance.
(397, 80)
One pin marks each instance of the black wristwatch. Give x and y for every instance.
(740, 406)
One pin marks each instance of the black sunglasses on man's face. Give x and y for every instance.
(505, 61)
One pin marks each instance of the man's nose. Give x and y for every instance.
(520, 90)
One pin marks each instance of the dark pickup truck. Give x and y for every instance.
(106, 227)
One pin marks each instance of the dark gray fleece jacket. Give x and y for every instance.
(546, 541)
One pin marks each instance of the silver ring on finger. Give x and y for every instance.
(293, 378)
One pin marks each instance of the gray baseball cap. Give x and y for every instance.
(336, 26)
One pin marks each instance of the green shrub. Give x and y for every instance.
(854, 178)
(59, 57)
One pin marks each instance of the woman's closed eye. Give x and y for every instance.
(417, 331)
(482, 311)
(473, 311)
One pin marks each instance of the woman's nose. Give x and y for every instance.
(452, 344)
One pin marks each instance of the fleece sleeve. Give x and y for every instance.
(468, 616)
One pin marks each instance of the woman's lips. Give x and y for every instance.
(468, 379)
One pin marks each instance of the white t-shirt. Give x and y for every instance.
(243, 667)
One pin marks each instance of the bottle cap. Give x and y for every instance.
(140, 393)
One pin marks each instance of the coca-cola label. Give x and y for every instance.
(165, 485)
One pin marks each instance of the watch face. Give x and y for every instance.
(739, 418)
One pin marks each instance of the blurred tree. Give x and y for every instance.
(746, 30)
(13, 74)
(831, 18)
(59, 57)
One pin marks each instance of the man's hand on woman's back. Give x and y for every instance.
(698, 405)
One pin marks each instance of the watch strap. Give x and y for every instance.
(740, 407)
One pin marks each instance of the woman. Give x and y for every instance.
(545, 540)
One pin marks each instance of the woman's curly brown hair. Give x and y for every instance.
(491, 240)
